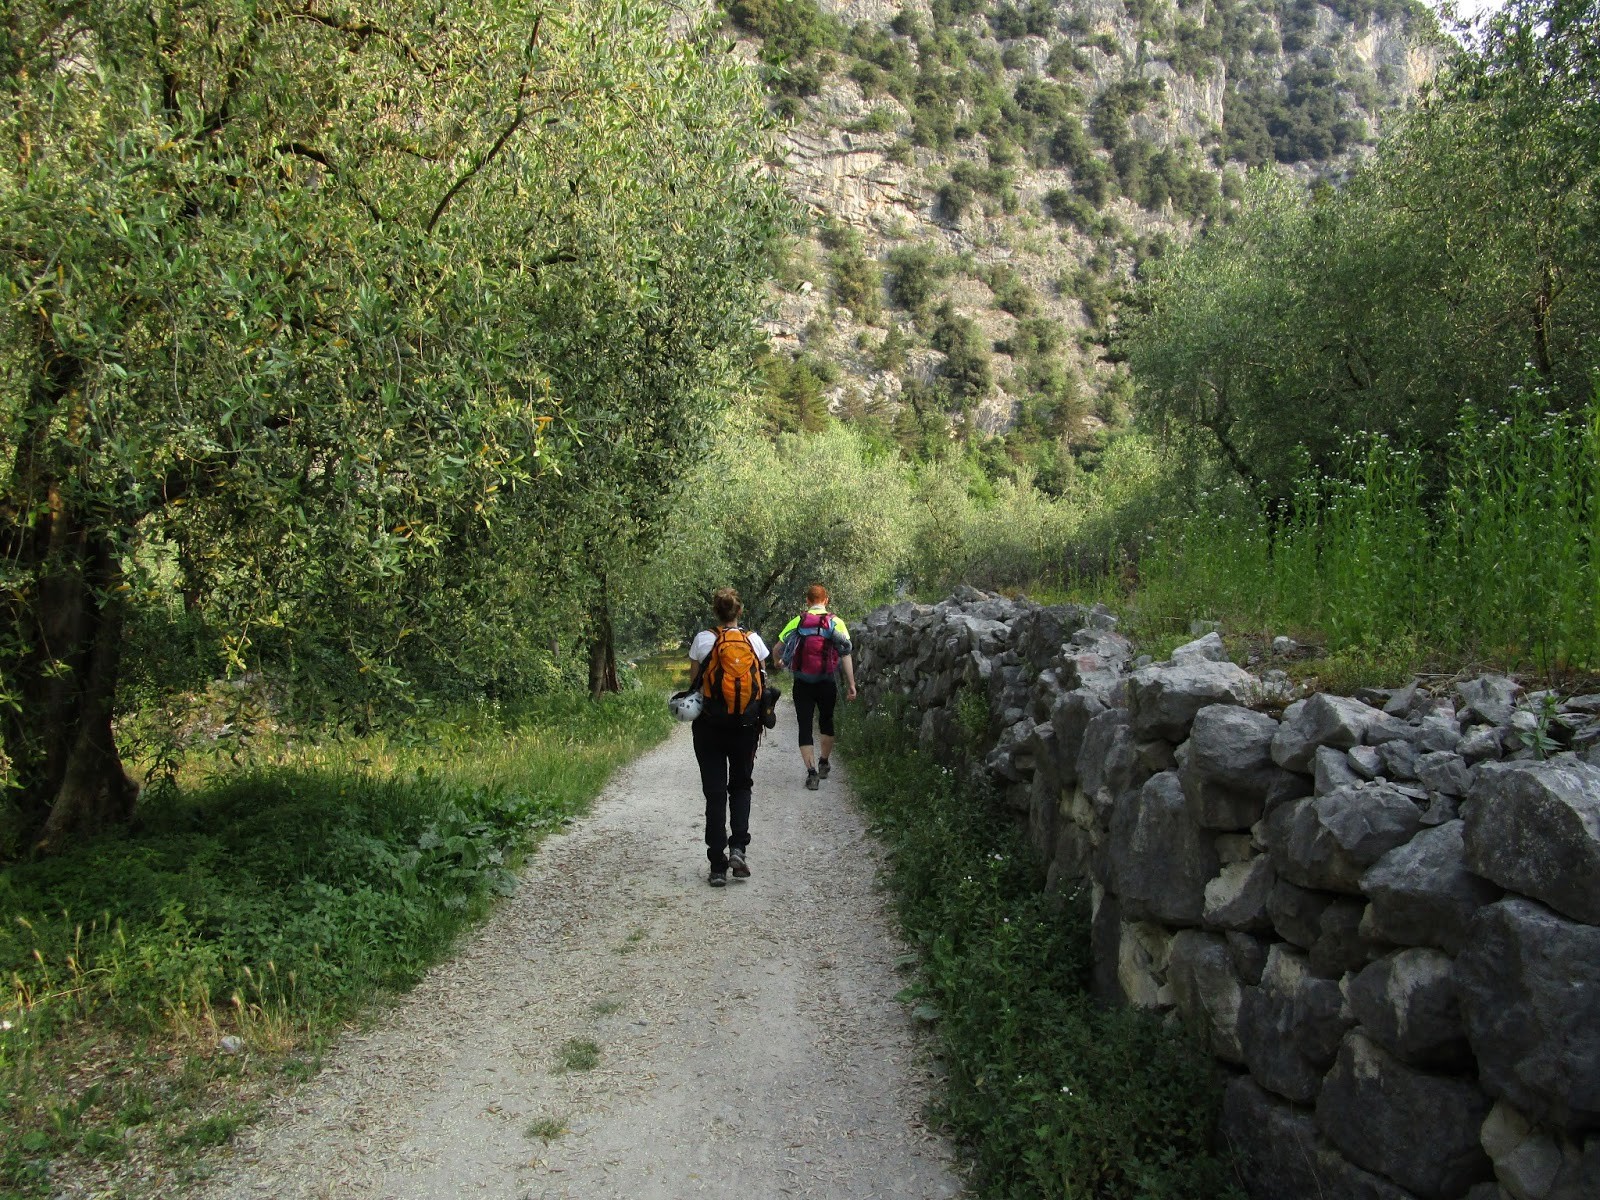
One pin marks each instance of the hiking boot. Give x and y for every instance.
(741, 869)
(823, 768)
(719, 877)
(813, 781)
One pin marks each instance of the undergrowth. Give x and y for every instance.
(1494, 558)
(157, 979)
(1048, 1094)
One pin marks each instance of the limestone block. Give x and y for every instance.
(1529, 983)
(1422, 894)
(1207, 991)
(1335, 721)
(1237, 897)
(1160, 860)
(1534, 828)
(1417, 1129)
(1407, 1003)
(1328, 841)
(1290, 1026)
(1163, 701)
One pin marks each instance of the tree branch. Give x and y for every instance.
(505, 136)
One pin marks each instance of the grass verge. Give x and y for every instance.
(1047, 1094)
(161, 981)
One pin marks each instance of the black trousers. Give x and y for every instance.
(821, 696)
(727, 758)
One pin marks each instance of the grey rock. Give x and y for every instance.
(1399, 760)
(1290, 1026)
(1421, 894)
(1407, 1003)
(1160, 860)
(1492, 698)
(1482, 743)
(1443, 771)
(1009, 759)
(1366, 761)
(1534, 828)
(1039, 633)
(1105, 937)
(1296, 912)
(1441, 810)
(1487, 1191)
(1070, 717)
(1249, 956)
(1335, 721)
(1107, 750)
(1163, 701)
(1206, 991)
(1234, 848)
(1533, 1165)
(1331, 770)
(1156, 755)
(1419, 1130)
(1237, 898)
(1144, 660)
(1402, 701)
(1044, 812)
(1436, 731)
(1340, 946)
(1229, 772)
(1280, 1157)
(1142, 953)
(1529, 982)
(1203, 649)
(1327, 841)
(1282, 644)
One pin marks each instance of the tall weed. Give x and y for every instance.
(1499, 559)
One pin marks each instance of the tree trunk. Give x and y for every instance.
(602, 648)
(60, 628)
(63, 658)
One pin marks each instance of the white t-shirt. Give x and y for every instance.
(706, 638)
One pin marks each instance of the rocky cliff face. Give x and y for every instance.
(1036, 155)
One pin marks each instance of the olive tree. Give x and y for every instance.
(351, 323)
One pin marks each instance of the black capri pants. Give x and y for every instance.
(821, 696)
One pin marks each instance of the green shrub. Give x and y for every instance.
(914, 275)
(1048, 1094)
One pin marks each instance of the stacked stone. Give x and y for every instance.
(1380, 914)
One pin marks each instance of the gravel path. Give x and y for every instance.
(749, 1042)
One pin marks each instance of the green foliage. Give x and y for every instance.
(856, 282)
(1467, 249)
(914, 275)
(1048, 1093)
(967, 373)
(792, 398)
(1011, 293)
(1504, 564)
(271, 904)
(770, 517)
(374, 344)
(790, 30)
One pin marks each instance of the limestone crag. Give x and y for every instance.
(1379, 914)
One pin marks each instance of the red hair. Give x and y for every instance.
(816, 594)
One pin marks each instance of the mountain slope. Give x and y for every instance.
(984, 176)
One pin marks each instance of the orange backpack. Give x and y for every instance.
(732, 682)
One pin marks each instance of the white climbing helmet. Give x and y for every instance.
(686, 706)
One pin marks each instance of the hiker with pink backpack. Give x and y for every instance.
(815, 646)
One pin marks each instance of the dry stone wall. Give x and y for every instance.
(1380, 914)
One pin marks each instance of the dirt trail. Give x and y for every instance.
(749, 1041)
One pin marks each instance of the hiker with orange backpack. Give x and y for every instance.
(816, 647)
(730, 682)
